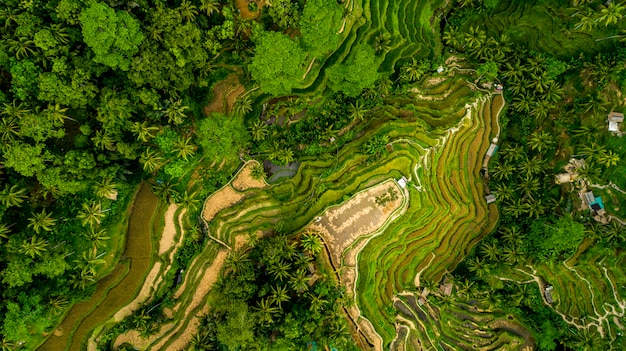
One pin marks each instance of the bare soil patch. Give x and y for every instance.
(242, 6)
(223, 198)
(361, 215)
(244, 179)
(224, 95)
(169, 230)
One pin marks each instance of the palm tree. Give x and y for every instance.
(541, 141)
(503, 170)
(188, 10)
(478, 267)
(104, 188)
(81, 279)
(591, 151)
(22, 47)
(9, 129)
(6, 345)
(165, 191)
(554, 92)
(183, 147)
(209, 6)
(103, 140)
(257, 172)
(13, 196)
(382, 42)
(614, 232)
(201, 341)
(91, 214)
(97, 237)
(279, 295)
(175, 111)
(89, 261)
(504, 192)
(299, 281)
(154, 31)
(189, 200)
(267, 310)
(465, 288)
(9, 15)
(540, 109)
(475, 37)
(317, 302)
(586, 21)
(514, 71)
(259, 130)
(532, 166)
(57, 114)
(612, 13)
(376, 145)
(59, 32)
(529, 185)
(608, 159)
(534, 209)
(384, 86)
(513, 255)
(311, 243)
(41, 221)
(522, 102)
(236, 261)
(588, 171)
(33, 247)
(451, 36)
(242, 105)
(279, 269)
(491, 251)
(356, 111)
(586, 340)
(152, 160)
(4, 231)
(414, 70)
(285, 156)
(511, 236)
(513, 153)
(514, 208)
(58, 304)
(143, 131)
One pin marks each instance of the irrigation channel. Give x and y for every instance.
(119, 287)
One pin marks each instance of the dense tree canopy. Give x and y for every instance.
(319, 25)
(114, 36)
(358, 72)
(278, 63)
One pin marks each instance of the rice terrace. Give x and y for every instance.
(338, 175)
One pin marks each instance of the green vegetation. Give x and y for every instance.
(325, 99)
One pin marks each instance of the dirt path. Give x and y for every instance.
(169, 230)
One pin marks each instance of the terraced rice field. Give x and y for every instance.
(412, 27)
(445, 219)
(541, 26)
(456, 326)
(113, 289)
(588, 289)
(437, 145)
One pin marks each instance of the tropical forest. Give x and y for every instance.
(315, 175)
